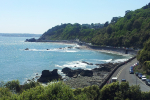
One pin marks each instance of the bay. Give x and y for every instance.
(16, 63)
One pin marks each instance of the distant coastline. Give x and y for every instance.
(19, 35)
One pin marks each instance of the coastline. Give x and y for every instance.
(98, 77)
(97, 49)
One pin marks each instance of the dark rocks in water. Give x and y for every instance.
(48, 76)
(26, 49)
(66, 70)
(31, 40)
(87, 63)
(101, 67)
(47, 49)
(74, 73)
(70, 47)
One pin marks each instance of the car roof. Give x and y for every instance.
(123, 79)
(114, 77)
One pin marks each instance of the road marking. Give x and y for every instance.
(120, 72)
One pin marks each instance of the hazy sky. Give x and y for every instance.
(37, 16)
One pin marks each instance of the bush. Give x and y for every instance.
(13, 85)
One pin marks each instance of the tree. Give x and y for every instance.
(106, 24)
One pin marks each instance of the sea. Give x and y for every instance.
(16, 63)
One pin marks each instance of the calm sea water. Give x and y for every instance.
(17, 63)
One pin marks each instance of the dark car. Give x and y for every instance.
(147, 82)
(140, 75)
(136, 73)
(131, 71)
(123, 80)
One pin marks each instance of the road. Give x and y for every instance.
(123, 73)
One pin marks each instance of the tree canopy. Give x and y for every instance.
(132, 30)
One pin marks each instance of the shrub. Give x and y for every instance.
(13, 85)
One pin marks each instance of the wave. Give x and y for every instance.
(109, 60)
(56, 50)
(119, 60)
(73, 64)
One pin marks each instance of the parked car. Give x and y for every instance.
(131, 68)
(131, 71)
(123, 80)
(143, 78)
(136, 73)
(147, 82)
(140, 75)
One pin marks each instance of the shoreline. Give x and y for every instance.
(87, 47)
(105, 51)
(84, 45)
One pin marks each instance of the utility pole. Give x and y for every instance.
(136, 80)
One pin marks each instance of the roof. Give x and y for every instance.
(114, 77)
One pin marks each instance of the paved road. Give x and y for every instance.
(123, 73)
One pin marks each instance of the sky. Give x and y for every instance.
(37, 16)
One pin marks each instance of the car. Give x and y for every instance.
(143, 78)
(123, 80)
(131, 71)
(140, 75)
(131, 68)
(114, 79)
(136, 73)
(147, 82)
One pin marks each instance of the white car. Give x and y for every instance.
(143, 78)
(114, 79)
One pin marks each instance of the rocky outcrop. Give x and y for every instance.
(31, 40)
(101, 67)
(74, 73)
(48, 76)
(26, 49)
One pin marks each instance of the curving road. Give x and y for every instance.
(123, 73)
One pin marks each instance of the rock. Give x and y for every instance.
(74, 73)
(48, 76)
(66, 70)
(87, 73)
(75, 76)
(26, 49)
(70, 47)
(31, 40)
(71, 73)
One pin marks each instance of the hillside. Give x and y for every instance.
(132, 30)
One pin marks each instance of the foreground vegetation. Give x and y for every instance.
(59, 91)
